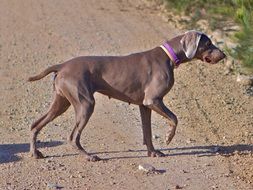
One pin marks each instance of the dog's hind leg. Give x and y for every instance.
(83, 111)
(59, 105)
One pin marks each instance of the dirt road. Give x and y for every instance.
(213, 145)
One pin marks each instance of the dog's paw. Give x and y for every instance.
(37, 154)
(155, 153)
(93, 158)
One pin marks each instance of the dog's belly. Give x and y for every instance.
(129, 94)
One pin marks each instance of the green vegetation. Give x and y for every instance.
(220, 12)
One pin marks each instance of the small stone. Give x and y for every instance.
(48, 161)
(188, 141)
(178, 187)
(80, 176)
(147, 168)
(53, 186)
(245, 80)
(156, 136)
(113, 183)
(249, 91)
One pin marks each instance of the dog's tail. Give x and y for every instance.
(54, 68)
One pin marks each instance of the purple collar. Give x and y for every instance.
(170, 52)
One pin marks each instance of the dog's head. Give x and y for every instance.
(197, 45)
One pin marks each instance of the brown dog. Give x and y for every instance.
(142, 79)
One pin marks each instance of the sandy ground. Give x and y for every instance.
(213, 145)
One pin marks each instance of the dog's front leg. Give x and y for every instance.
(147, 133)
(158, 106)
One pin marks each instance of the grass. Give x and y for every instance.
(218, 13)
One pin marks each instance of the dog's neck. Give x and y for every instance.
(178, 49)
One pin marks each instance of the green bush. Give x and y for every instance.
(244, 51)
(218, 12)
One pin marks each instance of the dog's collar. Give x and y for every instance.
(170, 52)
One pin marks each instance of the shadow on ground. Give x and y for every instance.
(8, 151)
(200, 151)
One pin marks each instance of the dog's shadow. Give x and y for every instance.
(199, 151)
(8, 151)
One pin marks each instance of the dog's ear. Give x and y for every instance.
(190, 42)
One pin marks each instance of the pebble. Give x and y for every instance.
(207, 164)
(80, 176)
(113, 183)
(53, 186)
(188, 141)
(249, 91)
(147, 168)
(156, 136)
(178, 187)
(245, 80)
(48, 161)
(184, 171)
